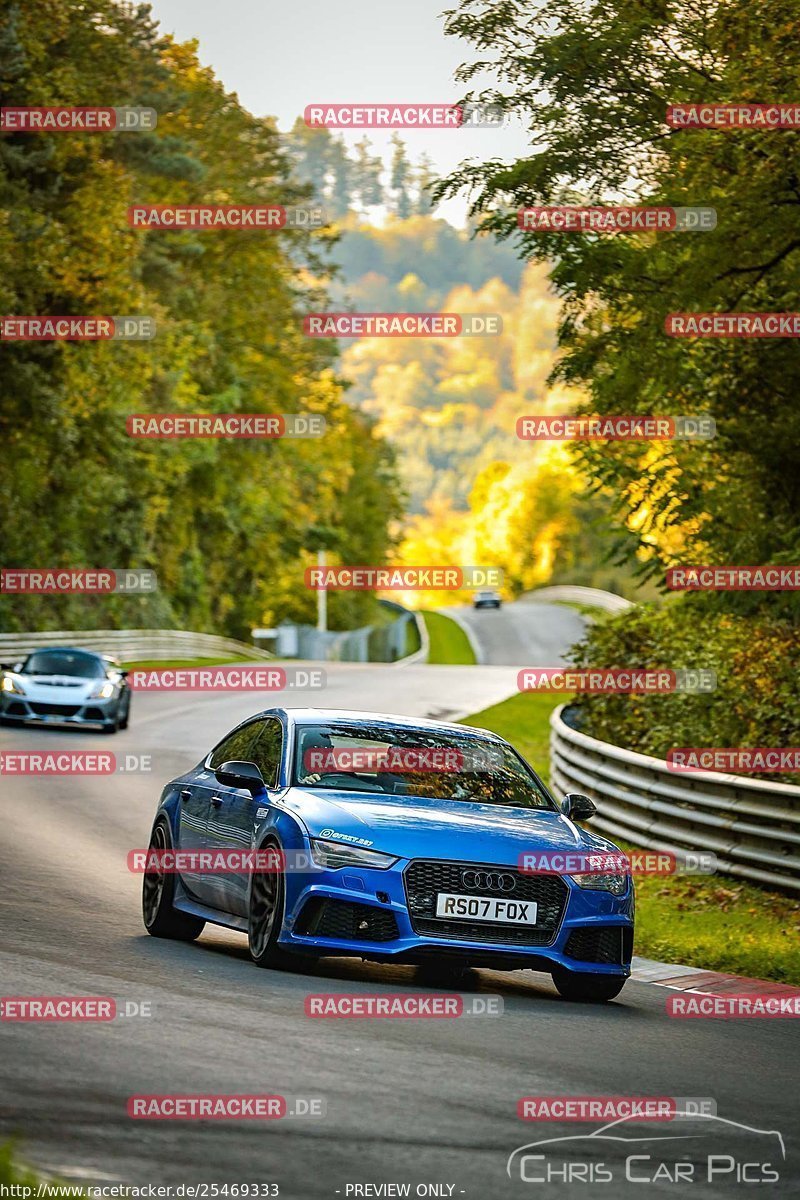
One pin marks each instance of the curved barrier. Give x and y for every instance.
(132, 645)
(574, 594)
(752, 826)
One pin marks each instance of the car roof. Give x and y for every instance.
(348, 716)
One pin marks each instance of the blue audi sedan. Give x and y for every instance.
(320, 832)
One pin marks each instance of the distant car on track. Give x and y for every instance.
(487, 599)
(63, 685)
(399, 840)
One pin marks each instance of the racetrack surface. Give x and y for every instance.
(414, 1101)
(526, 634)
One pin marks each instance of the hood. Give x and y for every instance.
(60, 689)
(419, 827)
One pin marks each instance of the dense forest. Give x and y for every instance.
(227, 526)
(449, 408)
(592, 83)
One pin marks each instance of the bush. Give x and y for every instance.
(757, 697)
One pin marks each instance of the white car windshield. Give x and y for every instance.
(63, 662)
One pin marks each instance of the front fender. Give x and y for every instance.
(291, 835)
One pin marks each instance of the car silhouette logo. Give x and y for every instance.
(699, 1126)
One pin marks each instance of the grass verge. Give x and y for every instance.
(699, 921)
(523, 720)
(13, 1174)
(449, 643)
(155, 664)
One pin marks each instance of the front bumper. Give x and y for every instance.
(386, 915)
(28, 710)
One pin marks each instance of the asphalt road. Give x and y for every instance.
(419, 1102)
(526, 634)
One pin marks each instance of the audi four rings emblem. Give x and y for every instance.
(488, 881)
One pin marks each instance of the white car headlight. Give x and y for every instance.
(10, 684)
(339, 854)
(616, 884)
(104, 692)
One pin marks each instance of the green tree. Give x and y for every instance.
(367, 172)
(221, 522)
(400, 178)
(592, 83)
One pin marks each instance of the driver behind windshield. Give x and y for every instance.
(411, 762)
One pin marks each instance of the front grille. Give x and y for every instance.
(611, 944)
(349, 922)
(55, 710)
(425, 878)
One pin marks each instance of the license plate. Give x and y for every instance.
(485, 908)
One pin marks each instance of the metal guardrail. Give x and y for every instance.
(382, 643)
(752, 826)
(574, 594)
(131, 645)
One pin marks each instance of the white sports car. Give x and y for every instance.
(65, 686)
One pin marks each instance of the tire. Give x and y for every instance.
(114, 725)
(161, 920)
(265, 917)
(123, 723)
(592, 989)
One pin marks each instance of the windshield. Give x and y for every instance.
(63, 662)
(414, 762)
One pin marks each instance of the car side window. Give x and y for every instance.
(239, 745)
(266, 753)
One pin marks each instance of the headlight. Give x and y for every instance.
(338, 854)
(10, 684)
(104, 692)
(616, 884)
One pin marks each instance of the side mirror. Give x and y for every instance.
(578, 807)
(239, 774)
